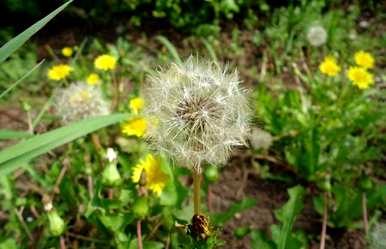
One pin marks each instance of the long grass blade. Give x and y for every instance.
(171, 48)
(21, 153)
(11, 46)
(21, 79)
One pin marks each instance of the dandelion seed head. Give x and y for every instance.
(78, 101)
(377, 237)
(316, 35)
(201, 110)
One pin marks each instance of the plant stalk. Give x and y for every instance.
(139, 235)
(196, 190)
(324, 225)
(365, 215)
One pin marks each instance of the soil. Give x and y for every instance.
(233, 186)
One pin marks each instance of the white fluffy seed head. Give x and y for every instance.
(200, 111)
(316, 35)
(79, 101)
(377, 237)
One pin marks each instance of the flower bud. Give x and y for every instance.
(56, 224)
(211, 174)
(111, 176)
(141, 208)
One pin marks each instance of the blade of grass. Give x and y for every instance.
(42, 111)
(11, 134)
(12, 157)
(21, 79)
(11, 46)
(211, 51)
(172, 49)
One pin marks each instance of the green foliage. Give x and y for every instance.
(22, 153)
(282, 235)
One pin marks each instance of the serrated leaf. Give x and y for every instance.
(287, 215)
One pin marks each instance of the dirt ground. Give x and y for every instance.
(239, 180)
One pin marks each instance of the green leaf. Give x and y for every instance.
(221, 218)
(11, 46)
(21, 153)
(11, 134)
(169, 194)
(146, 244)
(260, 241)
(172, 49)
(287, 214)
(21, 79)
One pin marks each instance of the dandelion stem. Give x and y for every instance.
(196, 190)
(139, 234)
(365, 216)
(324, 225)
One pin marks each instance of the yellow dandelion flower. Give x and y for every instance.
(135, 127)
(364, 59)
(93, 79)
(156, 179)
(329, 66)
(105, 62)
(136, 105)
(67, 51)
(360, 77)
(59, 72)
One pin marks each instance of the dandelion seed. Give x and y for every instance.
(316, 35)
(360, 77)
(364, 59)
(329, 66)
(105, 62)
(93, 79)
(156, 179)
(59, 72)
(67, 51)
(201, 112)
(79, 101)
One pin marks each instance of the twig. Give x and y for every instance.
(90, 187)
(139, 235)
(60, 178)
(21, 220)
(243, 183)
(209, 198)
(82, 237)
(62, 243)
(365, 215)
(324, 225)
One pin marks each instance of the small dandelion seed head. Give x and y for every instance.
(377, 237)
(316, 35)
(78, 101)
(201, 112)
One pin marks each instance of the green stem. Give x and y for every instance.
(196, 190)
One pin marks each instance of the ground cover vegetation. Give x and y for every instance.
(234, 124)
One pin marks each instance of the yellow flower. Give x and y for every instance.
(156, 179)
(364, 59)
(59, 72)
(105, 62)
(67, 51)
(93, 79)
(360, 77)
(136, 105)
(135, 127)
(329, 66)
